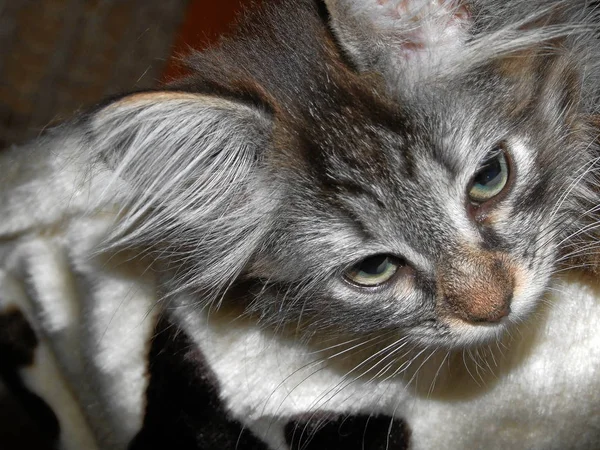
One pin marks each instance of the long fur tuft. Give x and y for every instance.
(194, 193)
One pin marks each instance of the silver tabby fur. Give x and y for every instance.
(288, 171)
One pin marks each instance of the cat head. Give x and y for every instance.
(320, 188)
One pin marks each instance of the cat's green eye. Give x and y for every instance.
(372, 271)
(491, 178)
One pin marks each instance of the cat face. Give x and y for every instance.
(316, 194)
(443, 221)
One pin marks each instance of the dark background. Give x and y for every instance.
(60, 56)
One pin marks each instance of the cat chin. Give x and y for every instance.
(464, 334)
(456, 334)
(460, 334)
(467, 335)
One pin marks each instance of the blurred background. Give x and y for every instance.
(61, 56)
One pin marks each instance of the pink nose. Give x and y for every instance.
(476, 286)
(494, 314)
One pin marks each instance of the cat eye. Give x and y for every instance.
(373, 271)
(491, 178)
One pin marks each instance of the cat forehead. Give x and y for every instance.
(435, 133)
(399, 172)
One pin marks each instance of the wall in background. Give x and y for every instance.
(205, 21)
(57, 56)
(60, 56)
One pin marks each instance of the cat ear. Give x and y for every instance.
(388, 35)
(408, 40)
(186, 170)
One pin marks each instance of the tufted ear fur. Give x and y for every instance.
(189, 169)
(384, 35)
(410, 40)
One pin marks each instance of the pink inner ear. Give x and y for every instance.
(421, 26)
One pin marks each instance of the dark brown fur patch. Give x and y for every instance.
(17, 430)
(358, 432)
(17, 346)
(520, 68)
(184, 411)
(17, 340)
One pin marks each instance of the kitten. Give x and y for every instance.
(440, 214)
(330, 173)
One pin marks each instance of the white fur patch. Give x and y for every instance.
(94, 322)
(543, 393)
(266, 380)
